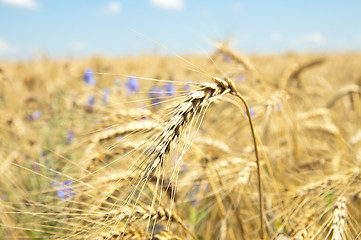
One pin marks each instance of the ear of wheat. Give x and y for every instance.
(339, 220)
(182, 115)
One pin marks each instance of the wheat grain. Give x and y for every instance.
(339, 219)
(121, 233)
(163, 235)
(215, 144)
(182, 115)
(241, 59)
(133, 127)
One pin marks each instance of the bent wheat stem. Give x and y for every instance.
(230, 84)
(259, 176)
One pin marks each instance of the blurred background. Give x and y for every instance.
(29, 28)
(91, 100)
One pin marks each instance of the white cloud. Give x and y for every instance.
(311, 41)
(313, 38)
(113, 7)
(317, 38)
(238, 7)
(6, 47)
(29, 4)
(168, 4)
(78, 45)
(276, 37)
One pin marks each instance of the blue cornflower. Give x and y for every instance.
(240, 78)
(70, 137)
(89, 77)
(170, 89)
(187, 86)
(193, 195)
(251, 111)
(278, 107)
(3, 196)
(36, 115)
(65, 190)
(132, 85)
(227, 57)
(43, 153)
(106, 94)
(155, 95)
(91, 101)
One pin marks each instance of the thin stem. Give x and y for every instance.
(260, 190)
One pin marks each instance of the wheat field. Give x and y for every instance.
(160, 147)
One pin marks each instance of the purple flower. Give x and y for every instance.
(155, 94)
(227, 57)
(251, 111)
(65, 190)
(193, 195)
(70, 137)
(132, 86)
(170, 89)
(278, 107)
(36, 115)
(3, 196)
(91, 101)
(43, 153)
(187, 86)
(240, 78)
(106, 94)
(89, 77)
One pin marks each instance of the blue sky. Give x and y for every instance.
(85, 27)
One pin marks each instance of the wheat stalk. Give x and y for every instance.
(349, 89)
(295, 70)
(195, 103)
